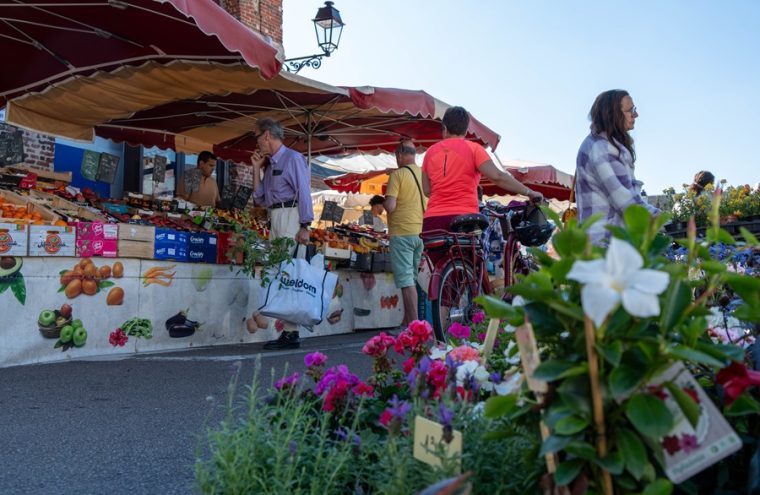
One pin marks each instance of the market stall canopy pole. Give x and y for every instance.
(47, 42)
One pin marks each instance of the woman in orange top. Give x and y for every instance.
(451, 172)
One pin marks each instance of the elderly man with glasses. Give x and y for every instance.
(284, 189)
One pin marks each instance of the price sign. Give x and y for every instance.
(11, 148)
(331, 212)
(108, 165)
(90, 165)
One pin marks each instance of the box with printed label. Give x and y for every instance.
(14, 239)
(201, 247)
(170, 252)
(50, 240)
(97, 231)
(106, 248)
(170, 236)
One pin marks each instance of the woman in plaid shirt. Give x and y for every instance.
(604, 168)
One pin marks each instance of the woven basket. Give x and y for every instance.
(53, 331)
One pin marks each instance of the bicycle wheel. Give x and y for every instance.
(455, 295)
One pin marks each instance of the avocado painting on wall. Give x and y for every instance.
(11, 278)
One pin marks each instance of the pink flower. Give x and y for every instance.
(735, 378)
(386, 417)
(378, 345)
(464, 353)
(314, 359)
(286, 381)
(478, 317)
(459, 331)
(689, 443)
(482, 337)
(421, 329)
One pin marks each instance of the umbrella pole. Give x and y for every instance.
(308, 138)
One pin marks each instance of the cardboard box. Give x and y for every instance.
(97, 231)
(170, 252)
(201, 247)
(14, 239)
(47, 240)
(338, 254)
(107, 248)
(134, 232)
(171, 245)
(136, 249)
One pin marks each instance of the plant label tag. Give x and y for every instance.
(430, 445)
(701, 436)
(526, 342)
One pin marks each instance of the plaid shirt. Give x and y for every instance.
(605, 184)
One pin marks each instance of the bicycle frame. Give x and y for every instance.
(468, 254)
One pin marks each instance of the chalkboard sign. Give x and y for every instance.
(242, 195)
(192, 180)
(159, 168)
(11, 148)
(90, 165)
(227, 198)
(107, 168)
(331, 212)
(367, 218)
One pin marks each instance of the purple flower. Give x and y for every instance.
(459, 331)
(482, 337)
(342, 434)
(689, 443)
(478, 317)
(287, 381)
(399, 410)
(495, 377)
(334, 375)
(314, 359)
(424, 365)
(445, 415)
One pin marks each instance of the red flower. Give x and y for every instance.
(671, 444)
(692, 393)
(386, 417)
(735, 378)
(437, 374)
(657, 391)
(408, 365)
(364, 389)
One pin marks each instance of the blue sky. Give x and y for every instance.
(530, 70)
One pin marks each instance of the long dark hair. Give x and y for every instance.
(607, 116)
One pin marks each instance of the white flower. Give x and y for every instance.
(518, 301)
(509, 386)
(618, 278)
(508, 353)
(439, 352)
(472, 369)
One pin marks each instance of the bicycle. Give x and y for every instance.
(459, 274)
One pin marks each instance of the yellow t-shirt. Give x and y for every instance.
(407, 218)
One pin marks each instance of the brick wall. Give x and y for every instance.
(39, 149)
(263, 16)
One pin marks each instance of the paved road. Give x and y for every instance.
(128, 426)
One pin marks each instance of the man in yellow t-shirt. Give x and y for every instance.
(405, 205)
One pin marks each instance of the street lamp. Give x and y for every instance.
(328, 27)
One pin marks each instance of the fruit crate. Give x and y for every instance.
(52, 240)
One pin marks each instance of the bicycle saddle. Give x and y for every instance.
(468, 223)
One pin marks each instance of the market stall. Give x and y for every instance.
(192, 80)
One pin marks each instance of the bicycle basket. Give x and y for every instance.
(532, 228)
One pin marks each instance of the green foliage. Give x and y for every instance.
(632, 351)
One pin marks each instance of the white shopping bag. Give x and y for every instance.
(298, 292)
